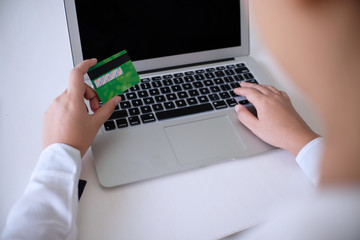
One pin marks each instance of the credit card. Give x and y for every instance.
(113, 76)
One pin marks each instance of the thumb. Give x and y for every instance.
(246, 117)
(104, 112)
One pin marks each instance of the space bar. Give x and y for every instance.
(184, 111)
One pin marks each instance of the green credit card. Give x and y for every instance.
(113, 76)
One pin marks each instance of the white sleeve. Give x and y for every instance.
(48, 208)
(309, 159)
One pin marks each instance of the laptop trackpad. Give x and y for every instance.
(205, 141)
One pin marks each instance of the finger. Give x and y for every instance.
(91, 95)
(76, 78)
(264, 90)
(252, 94)
(105, 111)
(246, 117)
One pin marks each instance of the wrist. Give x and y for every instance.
(300, 142)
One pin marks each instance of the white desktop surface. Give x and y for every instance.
(206, 203)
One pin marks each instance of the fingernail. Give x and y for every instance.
(237, 107)
(117, 100)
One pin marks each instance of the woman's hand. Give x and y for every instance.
(277, 122)
(68, 121)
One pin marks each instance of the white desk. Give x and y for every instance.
(207, 203)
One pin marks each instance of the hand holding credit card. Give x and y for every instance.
(114, 75)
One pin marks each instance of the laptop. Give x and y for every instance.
(190, 55)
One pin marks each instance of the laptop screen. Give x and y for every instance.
(152, 29)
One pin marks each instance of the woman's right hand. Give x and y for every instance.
(277, 122)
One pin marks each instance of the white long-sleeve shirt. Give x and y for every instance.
(48, 208)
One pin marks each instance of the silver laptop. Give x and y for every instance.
(189, 55)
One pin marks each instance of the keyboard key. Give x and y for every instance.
(143, 94)
(252, 81)
(191, 101)
(204, 91)
(137, 102)
(228, 79)
(220, 68)
(149, 100)
(219, 105)
(248, 76)
(200, 71)
(146, 118)
(167, 76)
(209, 75)
(194, 93)
(121, 123)
(225, 87)
(199, 77)
(214, 97)
(135, 88)
(189, 73)
(178, 80)
(235, 85)
(134, 120)
(156, 84)
(220, 74)
(210, 70)
(240, 65)
(145, 80)
(178, 112)
(224, 95)
(160, 99)
(208, 83)
(203, 99)
(109, 125)
(131, 95)
(165, 90)
(125, 104)
(187, 86)
(230, 66)
(158, 107)
(156, 78)
(239, 78)
(168, 82)
(218, 81)
(178, 75)
(171, 97)
(169, 105)
(146, 109)
(231, 102)
(145, 86)
(198, 84)
(232, 94)
(134, 111)
(182, 95)
(215, 89)
(229, 72)
(180, 103)
(176, 88)
(242, 70)
(243, 102)
(189, 79)
(154, 92)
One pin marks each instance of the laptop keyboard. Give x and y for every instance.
(179, 94)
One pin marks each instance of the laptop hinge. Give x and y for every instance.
(185, 65)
